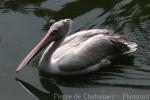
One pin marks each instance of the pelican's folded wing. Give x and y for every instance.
(88, 54)
(73, 41)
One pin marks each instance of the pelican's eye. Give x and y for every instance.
(54, 32)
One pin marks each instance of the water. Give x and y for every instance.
(24, 22)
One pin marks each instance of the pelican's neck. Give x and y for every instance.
(45, 60)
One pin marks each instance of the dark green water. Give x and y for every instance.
(24, 22)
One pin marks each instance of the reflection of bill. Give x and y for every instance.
(51, 88)
(129, 96)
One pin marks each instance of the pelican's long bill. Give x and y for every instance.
(42, 44)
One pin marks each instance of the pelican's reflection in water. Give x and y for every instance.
(53, 91)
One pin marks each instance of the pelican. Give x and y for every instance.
(83, 52)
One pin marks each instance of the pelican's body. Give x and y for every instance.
(82, 52)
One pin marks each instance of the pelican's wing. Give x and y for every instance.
(88, 48)
(91, 52)
(73, 41)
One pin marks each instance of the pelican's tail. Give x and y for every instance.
(125, 44)
(132, 47)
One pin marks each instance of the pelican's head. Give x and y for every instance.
(60, 28)
(57, 31)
